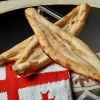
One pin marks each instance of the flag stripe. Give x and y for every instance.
(3, 86)
(12, 88)
(43, 78)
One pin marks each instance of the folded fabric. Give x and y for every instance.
(52, 83)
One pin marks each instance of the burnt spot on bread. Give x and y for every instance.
(82, 21)
(73, 22)
(23, 59)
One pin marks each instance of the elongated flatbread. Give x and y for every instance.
(14, 53)
(65, 49)
(35, 58)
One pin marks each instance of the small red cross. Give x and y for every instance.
(11, 84)
(45, 96)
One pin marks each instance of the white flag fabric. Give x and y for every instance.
(52, 83)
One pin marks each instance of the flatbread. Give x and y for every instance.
(65, 49)
(35, 58)
(14, 53)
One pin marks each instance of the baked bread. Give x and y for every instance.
(65, 49)
(33, 58)
(66, 23)
(14, 53)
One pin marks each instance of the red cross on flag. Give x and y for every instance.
(52, 83)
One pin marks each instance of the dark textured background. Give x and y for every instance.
(14, 27)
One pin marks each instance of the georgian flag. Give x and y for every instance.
(52, 83)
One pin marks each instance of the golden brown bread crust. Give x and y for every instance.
(32, 55)
(14, 53)
(75, 19)
(39, 59)
(64, 49)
